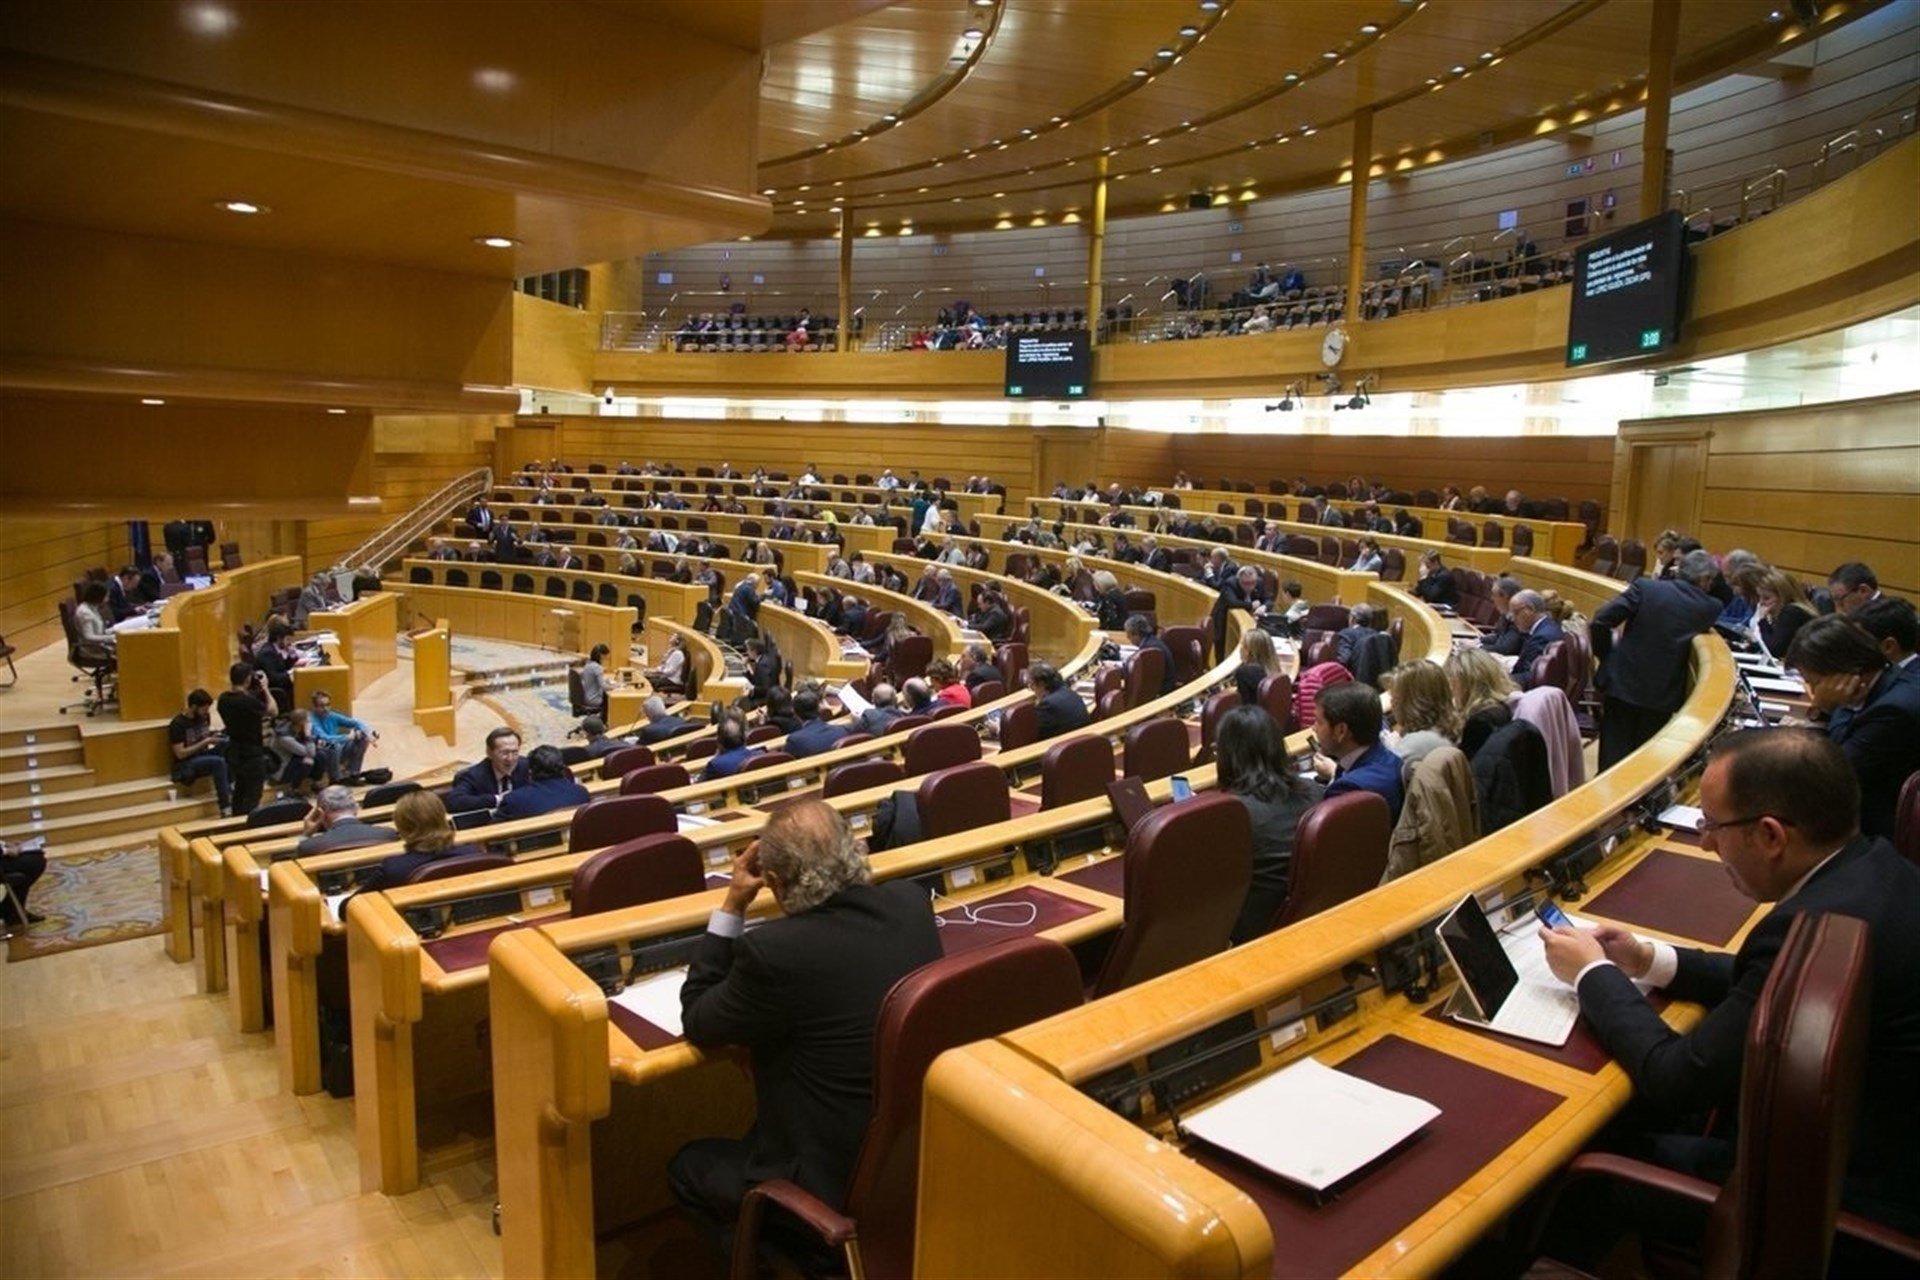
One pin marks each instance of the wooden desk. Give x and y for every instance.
(758, 495)
(1011, 1113)
(369, 630)
(734, 529)
(809, 644)
(193, 645)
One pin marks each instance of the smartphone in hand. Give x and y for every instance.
(1551, 915)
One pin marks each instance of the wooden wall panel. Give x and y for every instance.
(553, 345)
(413, 455)
(1809, 488)
(39, 561)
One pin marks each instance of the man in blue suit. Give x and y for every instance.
(1540, 629)
(816, 733)
(1346, 727)
(1872, 709)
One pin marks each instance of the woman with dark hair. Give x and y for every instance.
(593, 682)
(1251, 757)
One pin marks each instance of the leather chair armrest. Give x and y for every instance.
(1890, 1241)
(1622, 1169)
(834, 1228)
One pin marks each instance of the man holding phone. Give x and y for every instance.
(1781, 810)
(243, 713)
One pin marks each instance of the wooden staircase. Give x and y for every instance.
(47, 789)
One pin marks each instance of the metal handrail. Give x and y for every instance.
(396, 537)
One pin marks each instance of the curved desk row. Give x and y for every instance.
(191, 647)
(748, 490)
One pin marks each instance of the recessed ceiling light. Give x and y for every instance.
(805, 186)
(767, 191)
(1189, 32)
(1459, 71)
(1331, 56)
(1486, 57)
(1292, 77)
(1165, 53)
(890, 117)
(496, 242)
(972, 33)
(243, 207)
(494, 79)
(151, 400)
(1775, 16)
(336, 411)
(1369, 29)
(1209, 6)
(1139, 71)
(209, 19)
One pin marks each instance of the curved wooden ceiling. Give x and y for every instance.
(966, 114)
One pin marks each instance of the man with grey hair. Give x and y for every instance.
(885, 710)
(802, 993)
(918, 695)
(1643, 674)
(1528, 609)
(334, 823)
(661, 725)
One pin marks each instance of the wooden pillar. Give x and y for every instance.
(1357, 209)
(846, 278)
(1097, 248)
(1662, 39)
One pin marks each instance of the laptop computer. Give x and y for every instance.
(1492, 993)
(1130, 801)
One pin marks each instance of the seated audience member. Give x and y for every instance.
(305, 761)
(317, 596)
(1141, 635)
(662, 725)
(1436, 585)
(1780, 606)
(334, 822)
(977, 666)
(1852, 585)
(671, 674)
(947, 688)
(1736, 607)
(1423, 713)
(198, 752)
(93, 619)
(598, 745)
(1350, 755)
(802, 993)
(1110, 602)
(946, 594)
(816, 733)
(278, 658)
(762, 672)
(550, 787)
(897, 630)
(1872, 711)
(1781, 811)
(1530, 616)
(1483, 695)
(778, 710)
(731, 733)
(1258, 660)
(426, 834)
(993, 619)
(123, 594)
(1893, 625)
(484, 784)
(916, 695)
(1643, 677)
(1369, 560)
(1251, 754)
(342, 735)
(1057, 707)
(20, 869)
(593, 681)
(1505, 638)
(886, 708)
(1293, 597)
(1353, 639)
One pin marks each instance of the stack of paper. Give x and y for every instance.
(656, 998)
(1684, 817)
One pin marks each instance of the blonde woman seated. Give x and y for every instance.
(1482, 695)
(426, 835)
(1424, 716)
(1258, 660)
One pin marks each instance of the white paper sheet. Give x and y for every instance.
(1777, 684)
(1310, 1123)
(1684, 816)
(850, 698)
(333, 901)
(656, 998)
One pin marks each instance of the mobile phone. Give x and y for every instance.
(1182, 789)
(1551, 915)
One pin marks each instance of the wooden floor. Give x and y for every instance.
(141, 1136)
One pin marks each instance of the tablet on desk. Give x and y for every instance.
(1491, 992)
(1130, 801)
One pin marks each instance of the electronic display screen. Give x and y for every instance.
(1628, 292)
(1050, 366)
(1475, 951)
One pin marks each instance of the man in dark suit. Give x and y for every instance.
(886, 708)
(1346, 725)
(123, 593)
(1530, 617)
(480, 518)
(803, 994)
(977, 667)
(1872, 708)
(660, 724)
(946, 594)
(481, 785)
(1644, 675)
(1058, 709)
(1781, 811)
(1142, 636)
(334, 822)
(1155, 556)
(816, 733)
(1242, 591)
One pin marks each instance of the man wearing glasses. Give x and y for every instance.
(1872, 711)
(1852, 585)
(1781, 811)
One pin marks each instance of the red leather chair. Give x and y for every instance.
(611, 819)
(1276, 695)
(460, 864)
(945, 711)
(1216, 706)
(765, 760)
(1110, 704)
(1155, 749)
(1775, 1217)
(764, 733)
(1523, 540)
(907, 724)
(852, 740)
(653, 779)
(1189, 647)
(620, 763)
(1339, 852)
(636, 871)
(1146, 670)
(1012, 660)
(700, 749)
(1108, 680)
(988, 691)
(1019, 725)
(939, 746)
(962, 798)
(860, 776)
(1633, 560)
(909, 657)
(1075, 769)
(1606, 556)
(1186, 873)
(974, 995)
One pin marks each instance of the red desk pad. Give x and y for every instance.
(638, 1029)
(1482, 1113)
(467, 950)
(1680, 835)
(1684, 896)
(1109, 875)
(1051, 909)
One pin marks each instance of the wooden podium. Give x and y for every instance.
(433, 680)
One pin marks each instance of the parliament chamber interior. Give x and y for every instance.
(960, 638)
